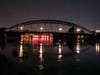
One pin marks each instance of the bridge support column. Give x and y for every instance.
(2, 39)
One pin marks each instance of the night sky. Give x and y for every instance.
(83, 12)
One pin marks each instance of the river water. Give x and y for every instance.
(60, 59)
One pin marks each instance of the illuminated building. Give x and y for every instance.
(28, 38)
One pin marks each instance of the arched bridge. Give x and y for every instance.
(47, 26)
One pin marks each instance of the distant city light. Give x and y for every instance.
(60, 29)
(78, 30)
(97, 31)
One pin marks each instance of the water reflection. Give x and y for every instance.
(97, 48)
(59, 53)
(41, 67)
(41, 53)
(78, 51)
(21, 54)
(77, 48)
(2, 40)
(77, 59)
(58, 59)
(21, 51)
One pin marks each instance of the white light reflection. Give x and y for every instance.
(59, 53)
(21, 51)
(78, 48)
(41, 67)
(41, 52)
(21, 54)
(97, 48)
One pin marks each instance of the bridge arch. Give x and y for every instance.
(57, 22)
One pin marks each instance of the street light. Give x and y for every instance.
(60, 29)
(78, 30)
(41, 28)
(21, 28)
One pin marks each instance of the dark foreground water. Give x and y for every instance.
(59, 59)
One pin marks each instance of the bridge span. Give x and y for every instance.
(48, 26)
(54, 29)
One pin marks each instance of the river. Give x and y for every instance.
(60, 59)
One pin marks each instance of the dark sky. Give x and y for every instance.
(83, 12)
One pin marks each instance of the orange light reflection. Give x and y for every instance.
(97, 48)
(78, 48)
(59, 53)
(21, 51)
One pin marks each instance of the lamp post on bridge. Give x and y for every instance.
(78, 30)
(41, 28)
(60, 29)
(21, 28)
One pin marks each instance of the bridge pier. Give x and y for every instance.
(2, 38)
(59, 37)
(70, 38)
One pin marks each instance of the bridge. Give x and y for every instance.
(55, 30)
(48, 26)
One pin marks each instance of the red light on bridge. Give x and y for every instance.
(40, 38)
